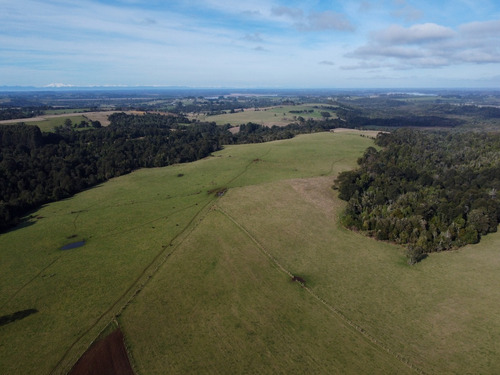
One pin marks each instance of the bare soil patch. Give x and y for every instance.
(107, 356)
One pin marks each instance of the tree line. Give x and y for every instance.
(37, 167)
(430, 191)
(17, 113)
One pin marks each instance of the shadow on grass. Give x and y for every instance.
(18, 315)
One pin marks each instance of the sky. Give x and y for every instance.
(251, 44)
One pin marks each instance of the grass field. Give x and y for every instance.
(201, 284)
(49, 121)
(279, 115)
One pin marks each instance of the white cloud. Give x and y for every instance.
(430, 45)
(482, 29)
(420, 33)
(228, 41)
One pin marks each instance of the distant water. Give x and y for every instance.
(73, 245)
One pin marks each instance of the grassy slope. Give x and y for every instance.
(225, 308)
(441, 315)
(218, 303)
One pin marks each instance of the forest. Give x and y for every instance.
(16, 113)
(38, 167)
(430, 191)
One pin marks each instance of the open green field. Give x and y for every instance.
(279, 115)
(50, 124)
(200, 283)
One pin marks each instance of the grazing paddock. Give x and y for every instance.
(277, 115)
(48, 122)
(199, 282)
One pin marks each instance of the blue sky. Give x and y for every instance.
(235, 43)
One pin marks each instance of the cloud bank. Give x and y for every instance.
(431, 45)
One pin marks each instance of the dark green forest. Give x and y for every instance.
(16, 113)
(37, 167)
(430, 191)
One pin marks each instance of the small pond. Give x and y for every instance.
(73, 245)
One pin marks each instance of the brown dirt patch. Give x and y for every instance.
(107, 356)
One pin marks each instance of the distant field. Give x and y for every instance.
(279, 115)
(201, 284)
(48, 122)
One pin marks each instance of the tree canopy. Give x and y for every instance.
(37, 167)
(430, 191)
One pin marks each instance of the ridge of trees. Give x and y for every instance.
(430, 191)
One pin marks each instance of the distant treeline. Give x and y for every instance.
(484, 112)
(356, 118)
(404, 121)
(221, 105)
(36, 167)
(17, 113)
(430, 191)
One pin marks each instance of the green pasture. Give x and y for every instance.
(440, 315)
(279, 115)
(49, 124)
(200, 283)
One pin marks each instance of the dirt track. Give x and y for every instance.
(107, 356)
